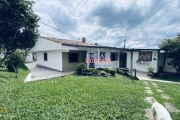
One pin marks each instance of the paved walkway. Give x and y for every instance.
(143, 76)
(41, 73)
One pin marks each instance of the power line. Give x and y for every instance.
(48, 34)
(59, 30)
(77, 10)
(48, 25)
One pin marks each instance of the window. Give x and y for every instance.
(145, 56)
(45, 57)
(73, 57)
(114, 56)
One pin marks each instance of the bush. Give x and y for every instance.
(95, 71)
(103, 73)
(80, 68)
(106, 70)
(112, 72)
(14, 60)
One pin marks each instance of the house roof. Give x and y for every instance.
(68, 42)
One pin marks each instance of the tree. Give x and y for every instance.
(18, 25)
(172, 49)
(14, 61)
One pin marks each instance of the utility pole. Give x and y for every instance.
(124, 43)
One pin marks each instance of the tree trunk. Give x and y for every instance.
(178, 71)
(16, 71)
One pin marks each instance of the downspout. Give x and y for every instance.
(98, 58)
(131, 67)
(164, 62)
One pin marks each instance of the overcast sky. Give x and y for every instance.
(143, 23)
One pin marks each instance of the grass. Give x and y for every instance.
(78, 97)
(171, 77)
(169, 89)
(71, 97)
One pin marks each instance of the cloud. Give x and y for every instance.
(143, 23)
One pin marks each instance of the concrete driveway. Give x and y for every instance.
(41, 73)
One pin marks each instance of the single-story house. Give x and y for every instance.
(64, 55)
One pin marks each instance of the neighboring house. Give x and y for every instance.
(64, 55)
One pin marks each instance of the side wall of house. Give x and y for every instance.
(143, 66)
(68, 66)
(54, 59)
(167, 68)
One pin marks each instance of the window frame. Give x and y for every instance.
(145, 56)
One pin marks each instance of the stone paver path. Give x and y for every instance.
(171, 107)
(149, 91)
(159, 90)
(147, 88)
(164, 96)
(150, 100)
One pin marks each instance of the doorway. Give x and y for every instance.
(122, 60)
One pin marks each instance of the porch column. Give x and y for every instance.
(131, 67)
(98, 57)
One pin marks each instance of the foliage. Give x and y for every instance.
(172, 49)
(112, 72)
(14, 61)
(80, 67)
(150, 69)
(18, 25)
(106, 70)
(103, 73)
(71, 97)
(95, 71)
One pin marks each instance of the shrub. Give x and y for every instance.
(95, 71)
(112, 72)
(14, 61)
(106, 70)
(103, 73)
(80, 67)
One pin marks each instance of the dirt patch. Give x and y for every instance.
(149, 100)
(149, 114)
(164, 96)
(149, 92)
(148, 88)
(159, 90)
(171, 108)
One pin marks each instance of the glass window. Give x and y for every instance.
(73, 57)
(45, 57)
(145, 56)
(114, 56)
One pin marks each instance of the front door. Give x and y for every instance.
(91, 57)
(122, 60)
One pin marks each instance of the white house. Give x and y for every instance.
(64, 55)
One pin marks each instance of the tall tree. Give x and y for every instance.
(172, 49)
(18, 25)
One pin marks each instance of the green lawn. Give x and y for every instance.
(71, 97)
(169, 89)
(79, 97)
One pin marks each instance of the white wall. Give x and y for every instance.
(143, 67)
(44, 44)
(168, 68)
(113, 64)
(54, 59)
(29, 58)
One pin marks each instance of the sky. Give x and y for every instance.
(142, 23)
